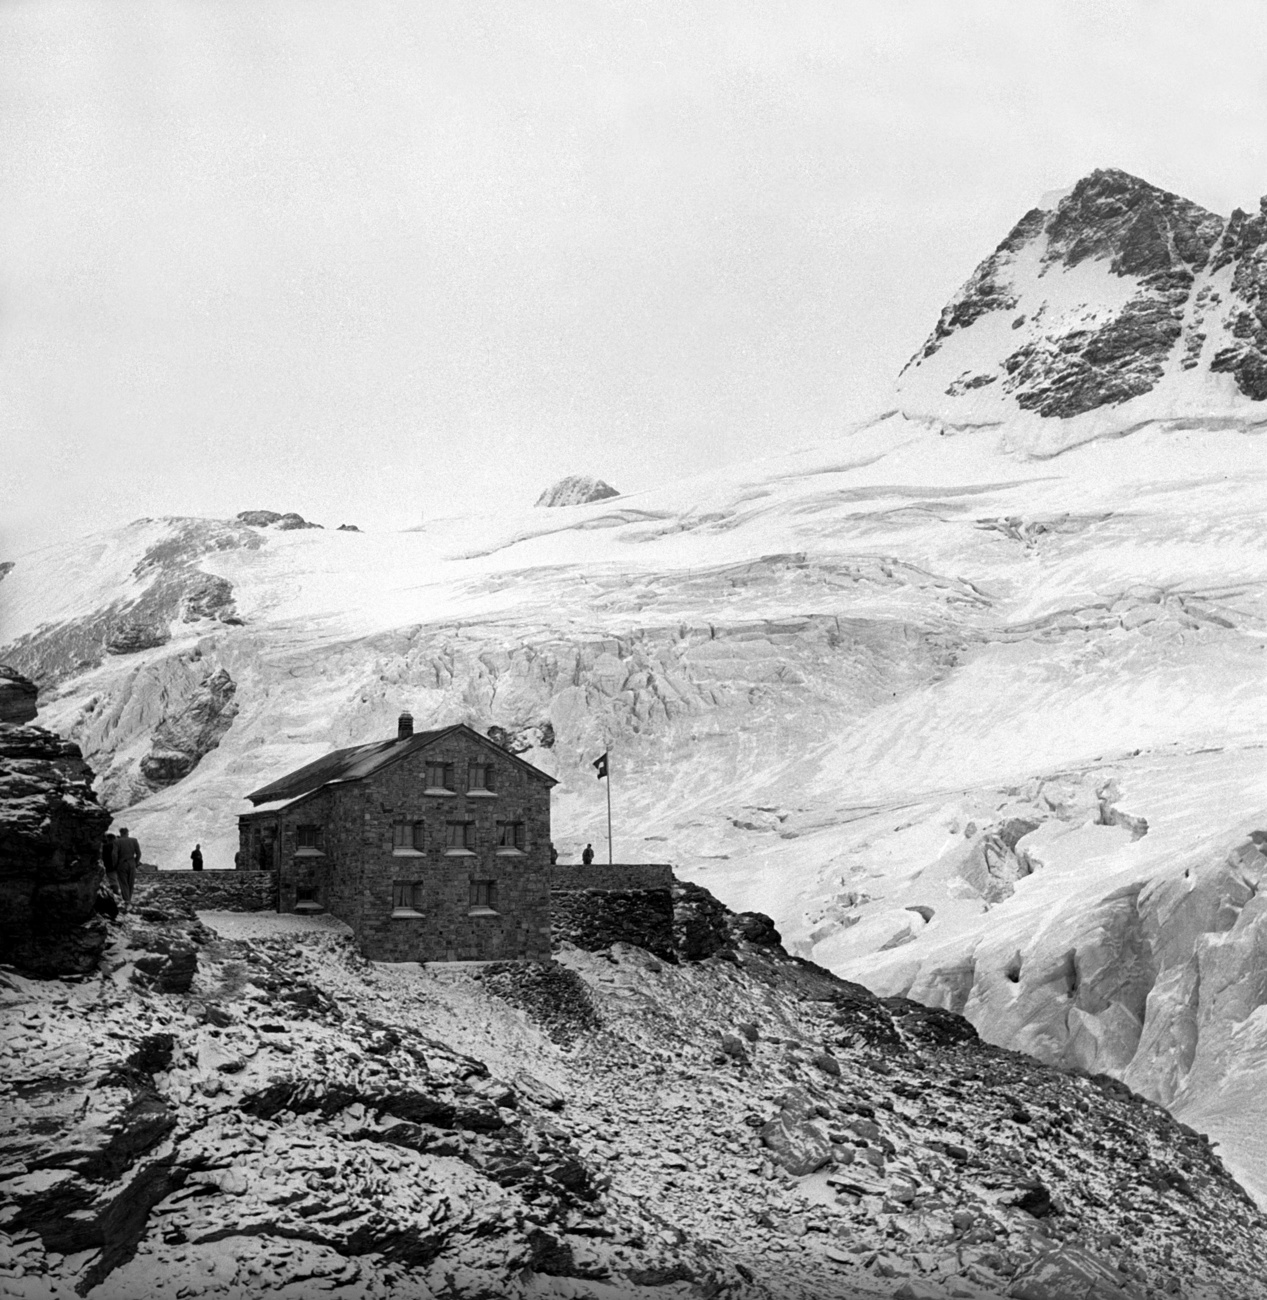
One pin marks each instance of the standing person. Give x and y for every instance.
(109, 860)
(127, 858)
(587, 854)
(196, 857)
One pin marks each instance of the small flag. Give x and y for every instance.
(600, 766)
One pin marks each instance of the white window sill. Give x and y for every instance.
(309, 907)
(408, 853)
(404, 911)
(309, 853)
(440, 790)
(482, 911)
(481, 794)
(509, 852)
(459, 853)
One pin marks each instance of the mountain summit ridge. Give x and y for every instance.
(1098, 301)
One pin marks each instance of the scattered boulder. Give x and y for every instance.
(50, 846)
(18, 697)
(576, 490)
(290, 521)
(797, 1138)
(347, 528)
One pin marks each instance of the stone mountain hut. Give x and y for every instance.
(432, 846)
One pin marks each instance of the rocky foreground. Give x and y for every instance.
(274, 1116)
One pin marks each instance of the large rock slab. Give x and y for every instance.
(18, 696)
(50, 845)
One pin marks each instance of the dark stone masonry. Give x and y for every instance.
(209, 891)
(432, 847)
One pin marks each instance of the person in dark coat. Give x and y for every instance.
(195, 857)
(554, 854)
(587, 854)
(127, 855)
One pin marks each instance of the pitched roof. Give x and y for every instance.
(358, 761)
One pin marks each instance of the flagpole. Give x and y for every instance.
(609, 809)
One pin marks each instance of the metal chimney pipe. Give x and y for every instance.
(405, 727)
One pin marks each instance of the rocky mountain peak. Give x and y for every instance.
(1117, 292)
(576, 490)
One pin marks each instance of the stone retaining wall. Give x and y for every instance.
(210, 891)
(620, 875)
(594, 919)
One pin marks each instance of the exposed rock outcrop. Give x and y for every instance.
(184, 736)
(298, 1121)
(1103, 290)
(170, 588)
(576, 490)
(1244, 243)
(132, 635)
(275, 519)
(18, 697)
(50, 844)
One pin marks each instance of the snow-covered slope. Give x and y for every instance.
(971, 701)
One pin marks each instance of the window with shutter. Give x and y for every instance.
(510, 837)
(439, 778)
(408, 898)
(483, 896)
(459, 837)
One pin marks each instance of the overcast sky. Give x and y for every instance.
(377, 261)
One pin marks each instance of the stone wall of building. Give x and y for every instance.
(356, 868)
(209, 891)
(449, 929)
(621, 875)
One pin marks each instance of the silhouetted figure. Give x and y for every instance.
(195, 858)
(127, 854)
(554, 854)
(587, 854)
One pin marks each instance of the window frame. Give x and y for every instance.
(483, 897)
(519, 836)
(466, 848)
(446, 774)
(409, 837)
(308, 898)
(411, 903)
(486, 790)
(313, 831)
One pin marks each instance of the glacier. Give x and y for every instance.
(968, 698)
